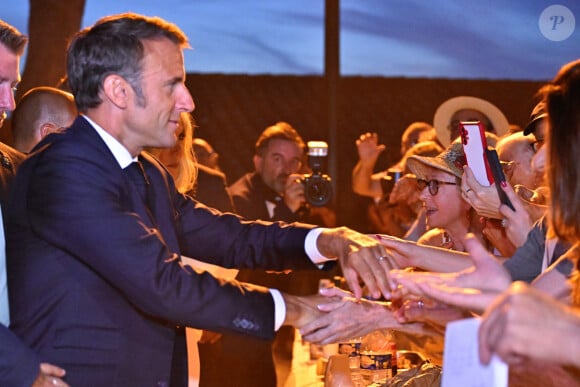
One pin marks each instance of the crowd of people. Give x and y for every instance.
(107, 189)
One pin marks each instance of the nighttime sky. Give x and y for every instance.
(495, 39)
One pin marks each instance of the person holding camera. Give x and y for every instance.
(274, 191)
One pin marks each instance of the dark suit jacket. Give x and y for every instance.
(250, 193)
(18, 363)
(94, 276)
(210, 189)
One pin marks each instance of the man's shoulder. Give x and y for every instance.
(79, 141)
(205, 173)
(243, 186)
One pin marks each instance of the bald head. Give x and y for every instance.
(517, 149)
(40, 111)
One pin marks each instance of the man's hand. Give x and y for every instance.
(347, 319)
(49, 376)
(294, 192)
(300, 310)
(361, 257)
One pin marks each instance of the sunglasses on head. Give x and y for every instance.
(432, 184)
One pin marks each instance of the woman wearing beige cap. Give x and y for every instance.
(449, 216)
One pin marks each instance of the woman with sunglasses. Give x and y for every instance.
(449, 216)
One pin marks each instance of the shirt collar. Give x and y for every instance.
(120, 153)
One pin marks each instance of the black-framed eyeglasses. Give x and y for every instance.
(432, 184)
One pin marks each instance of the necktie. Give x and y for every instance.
(136, 173)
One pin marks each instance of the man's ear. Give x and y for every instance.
(116, 89)
(47, 128)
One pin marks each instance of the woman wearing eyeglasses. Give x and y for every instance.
(449, 216)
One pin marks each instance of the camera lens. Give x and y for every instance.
(318, 190)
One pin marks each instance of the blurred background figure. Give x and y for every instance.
(205, 184)
(42, 110)
(391, 214)
(463, 108)
(205, 154)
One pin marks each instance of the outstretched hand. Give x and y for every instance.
(515, 328)
(49, 376)
(346, 318)
(362, 258)
(473, 288)
(368, 148)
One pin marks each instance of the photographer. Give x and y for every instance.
(274, 191)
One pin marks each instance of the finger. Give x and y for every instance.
(309, 329)
(491, 329)
(465, 298)
(52, 370)
(414, 310)
(373, 267)
(383, 277)
(476, 250)
(330, 306)
(334, 291)
(469, 178)
(507, 212)
(351, 277)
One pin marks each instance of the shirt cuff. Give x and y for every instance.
(312, 250)
(279, 308)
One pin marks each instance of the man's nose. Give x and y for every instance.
(7, 102)
(185, 101)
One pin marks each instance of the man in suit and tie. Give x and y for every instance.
(19, 365)
(94, 271)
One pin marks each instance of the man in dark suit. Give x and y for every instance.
(96, 228)
(19, 365)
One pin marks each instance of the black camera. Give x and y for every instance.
(317, 186)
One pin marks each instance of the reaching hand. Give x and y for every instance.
(473, 288)
(428, 311)
(368, 148)
(361, 258)
(496, 235)
(484, 200)
(516, 328)
(517, 223)
(346, 319)
(49, 376)
(301, 310)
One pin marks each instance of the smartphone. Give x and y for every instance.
(498, 176)
(474, 146)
